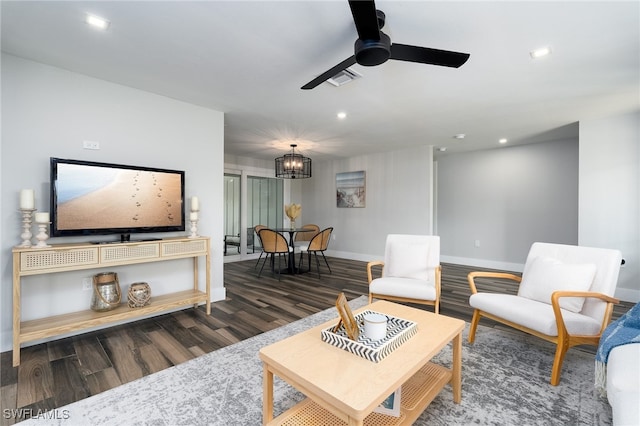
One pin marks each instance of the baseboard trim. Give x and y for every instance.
(353, 256)
(218, 293)
(480, 263)
(628, 294)
(483, 263)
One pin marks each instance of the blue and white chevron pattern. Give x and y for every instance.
(398, 331)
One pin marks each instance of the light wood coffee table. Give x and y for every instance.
(343, 388)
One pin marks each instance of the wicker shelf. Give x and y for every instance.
(417, 394)
(73, 257)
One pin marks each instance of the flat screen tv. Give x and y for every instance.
(89, 198)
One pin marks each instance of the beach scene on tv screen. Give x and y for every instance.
(100, 197)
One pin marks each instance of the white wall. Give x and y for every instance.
(505, 199)
(48, 112)
(398, 200)
(610, 193)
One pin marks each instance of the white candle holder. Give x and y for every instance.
(27, 215)
(42, 236)
(194, 229)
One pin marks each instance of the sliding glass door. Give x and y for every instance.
(265, 202)
(232, 203)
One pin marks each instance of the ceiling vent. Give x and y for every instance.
(343, 77)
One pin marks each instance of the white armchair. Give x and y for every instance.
(565, 297)
(410, 270)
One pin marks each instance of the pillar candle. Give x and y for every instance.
(27, 199)
(42, 217)
(195, 205)
(193, 216)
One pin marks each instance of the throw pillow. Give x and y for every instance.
(546, 275)
(408, 260)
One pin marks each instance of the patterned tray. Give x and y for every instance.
(398, 332)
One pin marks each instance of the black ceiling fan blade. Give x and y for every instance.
(365, 18)
(425, 55)
(330, 73)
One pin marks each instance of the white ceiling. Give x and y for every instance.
(249, 60)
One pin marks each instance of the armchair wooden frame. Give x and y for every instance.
(563, 340)
(435, 303)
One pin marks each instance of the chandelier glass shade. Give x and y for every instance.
(293, 166)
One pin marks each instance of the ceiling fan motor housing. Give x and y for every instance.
(373, 52)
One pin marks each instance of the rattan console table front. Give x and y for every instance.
(74, 257)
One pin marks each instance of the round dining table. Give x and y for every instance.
(291, 264)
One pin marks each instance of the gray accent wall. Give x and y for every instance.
(493, 204)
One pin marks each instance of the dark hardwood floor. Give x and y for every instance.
(63, 371)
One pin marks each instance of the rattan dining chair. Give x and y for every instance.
(318, 244)
(257, 230)
(303, 238)
(274, 243)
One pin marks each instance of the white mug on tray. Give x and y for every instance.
(375, 326)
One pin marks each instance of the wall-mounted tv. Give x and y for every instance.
(89, 198)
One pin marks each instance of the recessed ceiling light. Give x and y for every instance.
(541, 52)
(96, 21)
(459, 136)
(442, 149)
(503, 141)
(342, 115)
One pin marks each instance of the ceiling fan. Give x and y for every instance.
(373, 47)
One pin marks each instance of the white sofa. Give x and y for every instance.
(623, 384)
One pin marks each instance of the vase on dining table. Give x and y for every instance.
(293, 223)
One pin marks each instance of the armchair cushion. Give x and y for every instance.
(404, 287)
(546, 275)
(408, 260)
(533, 314)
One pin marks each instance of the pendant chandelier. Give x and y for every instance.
(293, 166)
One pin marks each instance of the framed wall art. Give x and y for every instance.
(350, 189)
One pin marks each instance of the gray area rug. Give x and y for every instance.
(505, 381)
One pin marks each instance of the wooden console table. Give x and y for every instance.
(75, 257)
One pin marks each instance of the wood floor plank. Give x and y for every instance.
(69, 383)
(91, 355)
(35, 378)
(103, 380)
(207, 344)
(8, 374)
(184, 319)
(227, 336)
(170, 347)
(123, 358)
(153, 359)
(8, 399)
(196, 351)
(58, 349)
(179, 332)
(37, 408)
